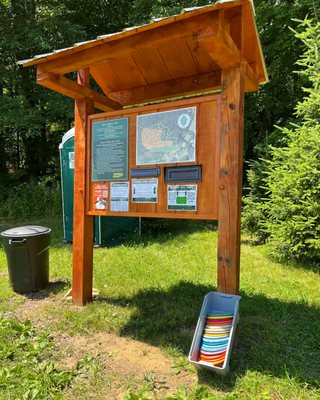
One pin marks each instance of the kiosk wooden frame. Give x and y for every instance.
(203, 50)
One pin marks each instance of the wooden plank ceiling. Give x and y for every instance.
(174, 57)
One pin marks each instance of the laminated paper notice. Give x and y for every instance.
(119, 197)
(144, 190)
(182, 198)
(100, 196)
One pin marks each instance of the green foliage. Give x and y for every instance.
(30, 199)
(309, 108)
(293, 174)
(253, 211)
(274, 103)
(29, 114)
(144, 10)
(24, 371)
(27, 371)
(200, 392)
(290, 211)
(293, 182)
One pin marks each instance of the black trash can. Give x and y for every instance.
(27, 250)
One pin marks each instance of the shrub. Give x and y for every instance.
(292, 180)
(31, 199)
(293, 209)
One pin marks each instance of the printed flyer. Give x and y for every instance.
(100, 196)
(144, 190)
(119, 196)
(182, 198)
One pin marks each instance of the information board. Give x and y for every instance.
(110, 150)
(166, 137)
(157, 161)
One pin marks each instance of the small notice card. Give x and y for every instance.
(144, 190)
(100, 196)
(119, 196)
(182, 197)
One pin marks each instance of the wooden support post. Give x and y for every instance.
(82, 265)
(230, 179)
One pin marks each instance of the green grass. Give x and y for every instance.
(151, 289)
(26, 371)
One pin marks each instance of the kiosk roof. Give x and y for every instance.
(167, 58)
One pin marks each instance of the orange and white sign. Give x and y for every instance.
(100, 196)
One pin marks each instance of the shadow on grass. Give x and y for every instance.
(52, 289)
(277, 338)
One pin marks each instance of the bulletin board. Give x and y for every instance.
(156, 161)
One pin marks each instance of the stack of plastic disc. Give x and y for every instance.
(216, 337)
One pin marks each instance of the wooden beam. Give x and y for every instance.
(164, 90)
(204, 25)
(250, 71)
(251, 78)
(82, 262)
(230, 179)
(221, 48)
(69, 88)
(225, 52)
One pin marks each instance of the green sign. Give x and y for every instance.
(181, 200)
(110, 150)
(182, 197)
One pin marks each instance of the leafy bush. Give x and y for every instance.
(30, 199)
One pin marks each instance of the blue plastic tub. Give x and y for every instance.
(213, 302)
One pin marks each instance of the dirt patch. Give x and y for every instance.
(126, 363)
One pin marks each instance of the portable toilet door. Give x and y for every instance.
(66, 150)
(108, 231)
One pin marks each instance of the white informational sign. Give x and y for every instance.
(119, 196)
(71, 160)
(182, 198)
(144, 190)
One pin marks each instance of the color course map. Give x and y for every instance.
(166, 137)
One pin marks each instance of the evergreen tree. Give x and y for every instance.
(292, 181)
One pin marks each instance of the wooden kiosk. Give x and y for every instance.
(178, 158)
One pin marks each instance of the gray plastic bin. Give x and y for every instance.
(27, 251)
(215, 301)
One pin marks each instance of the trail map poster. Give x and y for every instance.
(166, 137)
(110, 150)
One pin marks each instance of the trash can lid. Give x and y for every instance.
(28, 230)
